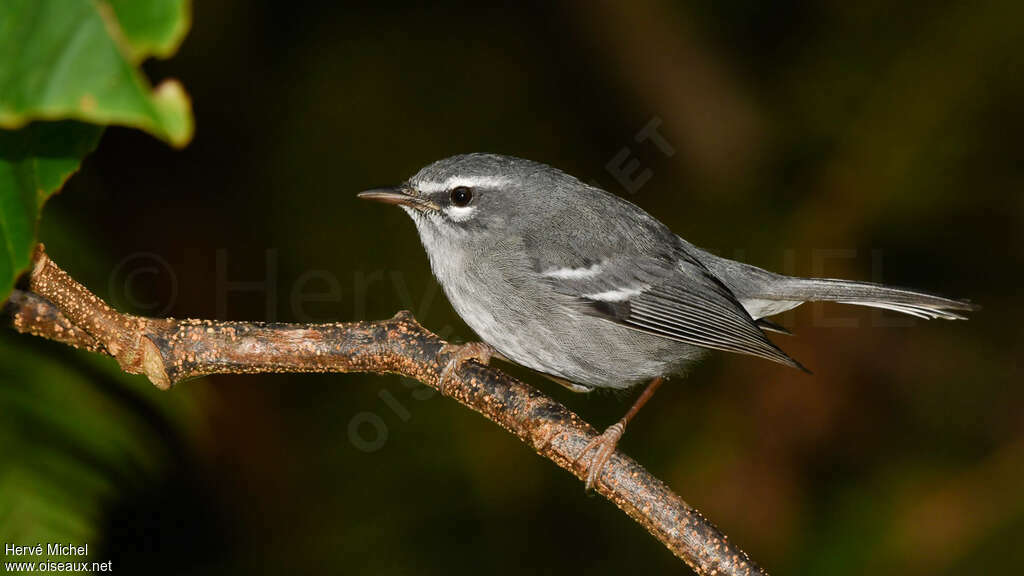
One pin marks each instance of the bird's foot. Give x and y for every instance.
(603, 447)
(459, 354)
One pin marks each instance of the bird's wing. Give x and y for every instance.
(671, 295)
(632, 270)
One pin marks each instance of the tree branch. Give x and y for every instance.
(169, 351)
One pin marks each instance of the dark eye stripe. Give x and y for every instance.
(461, 196)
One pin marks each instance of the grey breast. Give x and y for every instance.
(513, 307)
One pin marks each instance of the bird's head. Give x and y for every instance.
(475, 194)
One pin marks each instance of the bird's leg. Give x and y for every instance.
(604, 445)
(460, 354)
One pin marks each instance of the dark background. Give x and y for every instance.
(865, 140)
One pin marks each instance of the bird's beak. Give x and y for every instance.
(398, 195)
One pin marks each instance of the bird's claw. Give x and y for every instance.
(459, 355)
(603, 446)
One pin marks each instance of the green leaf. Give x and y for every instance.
(152, 28)
(34, 163)
(76, 59)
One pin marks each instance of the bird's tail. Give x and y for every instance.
(765, 293)
(912, 302)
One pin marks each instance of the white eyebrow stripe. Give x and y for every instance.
(617, 295)
(573, 273)
(467, 181)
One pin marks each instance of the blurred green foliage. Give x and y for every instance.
(75, 436)
(876, 141)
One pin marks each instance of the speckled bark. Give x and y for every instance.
(169, 351)
(30, 314)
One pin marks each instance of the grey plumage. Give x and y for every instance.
(579, 284)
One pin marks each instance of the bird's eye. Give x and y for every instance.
(461, 196)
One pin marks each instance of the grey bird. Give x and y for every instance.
(587, 288)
